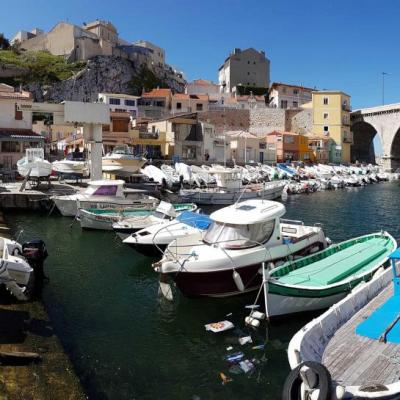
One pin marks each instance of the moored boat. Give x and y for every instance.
(155, 238)
(104, 194)
(225, 259)
(122, 161)
(351, 350)
(129, 220)
(321, 279)
(34, 164)
(74, 165)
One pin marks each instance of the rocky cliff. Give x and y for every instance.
(100, 74)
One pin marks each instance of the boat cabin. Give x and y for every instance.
(229, 178)
(246, 224)
(114, 188)
(33, 153)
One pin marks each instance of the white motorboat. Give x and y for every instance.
(155, 238)
(230, 189)
(122, 161)
(128, 220)
(164, 212)
(226, 258)
(15, 271)
(73, 165)
(104, 194)
(34, 164)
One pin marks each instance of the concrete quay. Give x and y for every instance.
(25, 327)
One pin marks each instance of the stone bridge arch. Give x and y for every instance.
(383, 121)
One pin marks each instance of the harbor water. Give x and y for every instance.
(126, 343)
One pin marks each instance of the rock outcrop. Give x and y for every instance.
(101, 74)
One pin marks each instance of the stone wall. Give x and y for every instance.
(266, 120)
(226, 119)
(299, 121)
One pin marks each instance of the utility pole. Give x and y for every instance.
(383, 87)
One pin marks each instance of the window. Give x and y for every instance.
(115, 101)
(283, 103)
(178, 106)
(295, 104)
(326, 101)
(254, 62)
(18, 114)
(288, 139)
(10, 147)
(284, 90)
(199, 107)
(130, 103)
(326, 115)
(232, 236)
(295, 91)
(248, 73)
(248, 62)
(326, 130)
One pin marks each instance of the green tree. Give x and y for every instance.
(4, 42)
(146, 80)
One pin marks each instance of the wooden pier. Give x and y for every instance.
(25, 327)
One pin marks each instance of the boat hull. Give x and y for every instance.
(149, 249)
(230, 197)
(221, 283)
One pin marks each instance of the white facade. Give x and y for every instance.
(120, 102)
(158, 54)
(246, 68)
(282, 95)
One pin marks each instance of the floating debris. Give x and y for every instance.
(234, 357)
(245, 339)
(219, 326)
(246, 366)
(225, 379)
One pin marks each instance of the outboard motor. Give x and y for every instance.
(35, 253)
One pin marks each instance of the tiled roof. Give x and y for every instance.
(182, 96)
(276, 84)
(158, 93)
(283, 133)
(203, 82)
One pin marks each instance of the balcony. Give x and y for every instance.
(149, 135)
(346, 108)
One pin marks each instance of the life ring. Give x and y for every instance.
(293, 383)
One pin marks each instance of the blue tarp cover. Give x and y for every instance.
(374, 326)
(200, 221)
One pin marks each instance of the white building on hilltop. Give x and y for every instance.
(244, 68)
(120, 102)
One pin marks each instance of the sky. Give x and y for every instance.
(328, 44)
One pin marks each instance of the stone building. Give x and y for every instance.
(244, 68)
(157, 54)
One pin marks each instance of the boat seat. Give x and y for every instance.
(339, 265)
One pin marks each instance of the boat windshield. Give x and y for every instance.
(230, 236)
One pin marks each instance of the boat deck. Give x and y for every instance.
(362, 257)
(356, 360)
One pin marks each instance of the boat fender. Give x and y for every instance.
(252, 322)
(293, 383)
(238, 281)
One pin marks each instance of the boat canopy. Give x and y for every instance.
(200, 221)
(105, 188)
(249, 212)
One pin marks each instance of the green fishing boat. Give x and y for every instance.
(104, 218)
(321, 279)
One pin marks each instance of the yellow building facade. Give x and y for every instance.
(331, 119)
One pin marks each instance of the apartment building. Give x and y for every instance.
(331, 119)
(16, 133)
(247, 67)
(282, 95)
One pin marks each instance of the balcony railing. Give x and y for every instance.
(149, 135)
